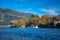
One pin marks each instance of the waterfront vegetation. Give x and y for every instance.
(44, 21)
(20, 19)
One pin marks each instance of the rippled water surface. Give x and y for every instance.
(29, 34)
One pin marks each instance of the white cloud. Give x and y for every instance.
(49, 11)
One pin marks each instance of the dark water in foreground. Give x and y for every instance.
(29, 34)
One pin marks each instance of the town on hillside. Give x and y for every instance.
(12, 19)
(44, 21)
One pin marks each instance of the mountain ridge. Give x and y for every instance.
(13, 12)
(7, 15)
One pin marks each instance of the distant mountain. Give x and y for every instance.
(14, 13)
(6, 15)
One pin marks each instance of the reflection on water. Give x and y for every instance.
(29, 34)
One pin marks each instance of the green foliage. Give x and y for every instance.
(35, 20)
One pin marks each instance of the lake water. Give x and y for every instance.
(29, 34)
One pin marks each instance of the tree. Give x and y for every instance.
(54, 18)
(32, 15)
(23, 22)
(34, 19)
(46, 18)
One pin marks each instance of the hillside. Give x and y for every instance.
(6, 15)
(14, 13)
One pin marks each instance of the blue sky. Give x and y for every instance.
(39, 7)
